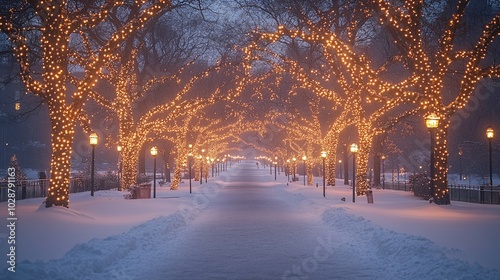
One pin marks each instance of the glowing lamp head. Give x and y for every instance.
(323, 154)
(202, 150)
(383, 157)
(304, 158)
(432, 121)
(294, 159)
(354, 148)
(93, 138)
(490, 133)
(287, 161)
(190, 146)
(154, 151)
(119, 148)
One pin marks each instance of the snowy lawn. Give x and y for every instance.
(397, 237)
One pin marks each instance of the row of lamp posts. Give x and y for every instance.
(354, 150)
(431, 122)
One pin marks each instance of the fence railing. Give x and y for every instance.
(39, 188)
(395, 185)
(466, 193)
(475, 194)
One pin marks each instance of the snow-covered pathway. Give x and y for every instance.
(246, 231)
(242, 225)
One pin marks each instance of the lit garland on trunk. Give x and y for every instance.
(57, 26)
(431, 65)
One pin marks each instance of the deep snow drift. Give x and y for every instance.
(245, 225)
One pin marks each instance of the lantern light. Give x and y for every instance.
(93, 138)
(354, 148)
(432, 121)
(154, 151)
(490, 133)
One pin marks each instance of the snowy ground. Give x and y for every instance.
(245, 225)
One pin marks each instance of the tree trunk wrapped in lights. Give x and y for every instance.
(365, 144)
(310, 175)
(62, 141)
(441, 195)
(58, 22)
(196, 169)
(130, 157)
(179, 162)
(331, 165)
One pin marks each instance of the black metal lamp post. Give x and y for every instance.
(208, 171)
(93, 139)
(432, 122)
(213, 167)
(340, 167)
(305, 171)
(190, 156)
(383, 171)
(201, 166)
(460, 153)
(354, 150)
(490, 134)
(154, 153)
(276, 160)
(275, 163)
(323, 155)
(288, 169)
(208, 164)
(294, 160)
(120, 166)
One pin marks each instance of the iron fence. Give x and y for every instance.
(457, 192)
(39, 188)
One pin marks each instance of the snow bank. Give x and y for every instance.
(115, 257)
(392, 255)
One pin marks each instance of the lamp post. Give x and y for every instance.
(93, 138)
(275, 163)
(383, 171)
(276, 160)
(305, 171)
(270, 167)
(490, 134)
(294, 160)
(340, 167)
(323, 155)
(120, 166)
(208, 164)
(432, 122)
(460, 153)
(154, 153)
(288, 169)
(201, 166)
(354, 150)
(190, 155)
